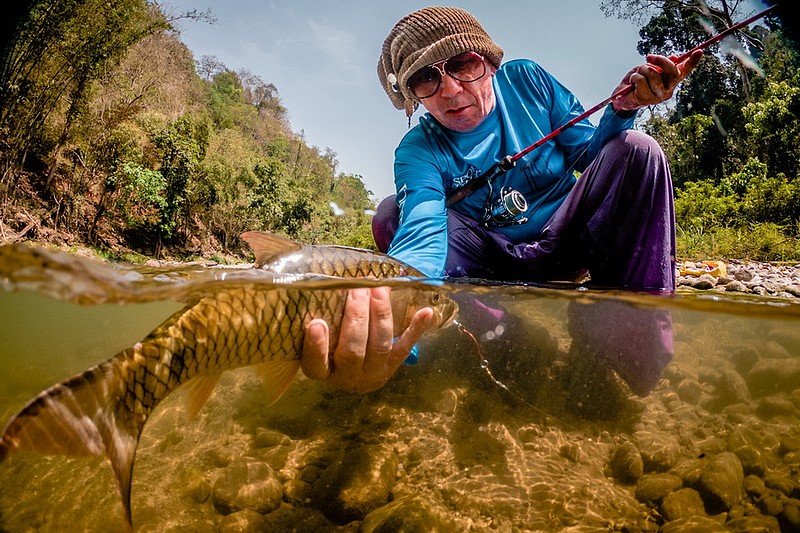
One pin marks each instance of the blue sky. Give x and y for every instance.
(322, 57)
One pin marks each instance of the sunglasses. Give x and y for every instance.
(466, 68)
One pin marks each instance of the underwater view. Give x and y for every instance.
(539, 436)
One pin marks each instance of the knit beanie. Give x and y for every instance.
(426, 36)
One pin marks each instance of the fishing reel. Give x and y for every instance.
(505, 210)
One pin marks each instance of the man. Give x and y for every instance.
(616, 220)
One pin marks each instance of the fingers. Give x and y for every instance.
(423, 321)
(314, 361)
(655, 81)
(381, 330)
(354, 332)
(365, 356)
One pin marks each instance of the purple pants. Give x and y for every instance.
(618, 223)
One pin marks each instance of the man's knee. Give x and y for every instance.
(636, 143)
(385, 222)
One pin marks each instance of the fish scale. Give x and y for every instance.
(248, 322)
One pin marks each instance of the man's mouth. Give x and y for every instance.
(456, 110)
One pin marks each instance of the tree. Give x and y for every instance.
(60, 49)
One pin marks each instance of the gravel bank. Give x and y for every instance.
(760, 279)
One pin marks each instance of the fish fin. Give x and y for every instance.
(121, 452)
(82, 416)
(277, 376)
(269, 247)
(199, 390)
(63, 420)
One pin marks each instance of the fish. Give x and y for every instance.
(104, 409)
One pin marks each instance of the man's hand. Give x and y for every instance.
(654, 82)
(365, 357)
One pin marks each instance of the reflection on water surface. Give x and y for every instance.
(715, 444)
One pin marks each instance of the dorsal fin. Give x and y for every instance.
(269, 247)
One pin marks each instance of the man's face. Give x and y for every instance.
(461, 106)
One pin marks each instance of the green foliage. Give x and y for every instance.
(181, 145)
(738, 183)
(773, 200)
(104, 117)
(142, 197)
(702, 205)
(759, 242)
(773, 127)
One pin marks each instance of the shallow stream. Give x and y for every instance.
(556, 442)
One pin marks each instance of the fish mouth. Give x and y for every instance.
(449, 315)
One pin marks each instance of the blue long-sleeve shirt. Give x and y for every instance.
(432, 161)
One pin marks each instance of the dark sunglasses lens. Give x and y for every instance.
(424, 82)
(466, 67)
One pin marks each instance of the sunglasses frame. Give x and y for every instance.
(439, 66)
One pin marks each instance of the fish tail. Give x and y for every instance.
(82, 416)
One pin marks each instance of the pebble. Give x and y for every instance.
(626, 463)
(410, 513)
(722, 482)
(246, 485)
(757, 278)
(683, 503)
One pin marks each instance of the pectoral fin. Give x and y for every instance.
(277, 376)
(199, 390)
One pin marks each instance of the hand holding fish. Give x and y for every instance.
(655, 81)
(365, 356)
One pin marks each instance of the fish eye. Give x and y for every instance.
(435, 297)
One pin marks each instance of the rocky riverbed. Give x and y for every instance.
(556, 442)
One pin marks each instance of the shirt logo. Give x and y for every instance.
(471, 174)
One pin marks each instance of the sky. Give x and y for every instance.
(322, 57)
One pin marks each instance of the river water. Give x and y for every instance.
(556, 440)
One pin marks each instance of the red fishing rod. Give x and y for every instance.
(509, 161)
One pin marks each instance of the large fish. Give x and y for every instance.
(104, 409)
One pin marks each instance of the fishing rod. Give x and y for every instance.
(509, 161)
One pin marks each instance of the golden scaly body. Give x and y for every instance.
(237, 327)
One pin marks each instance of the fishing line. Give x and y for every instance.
(510, 161)
(484, 364)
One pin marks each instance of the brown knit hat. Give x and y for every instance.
(426, 36)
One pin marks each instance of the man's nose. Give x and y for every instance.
(450, 86)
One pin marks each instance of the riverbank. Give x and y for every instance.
(780, 280)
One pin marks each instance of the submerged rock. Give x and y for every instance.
(653, 488)
(626, 463)
(243, 522)
(749, 524)
(722, 482)
(683, 503)
(694, 524)
(752, 460)
(246, 484)
(774, 374)
(660, 451)
(411, 514)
